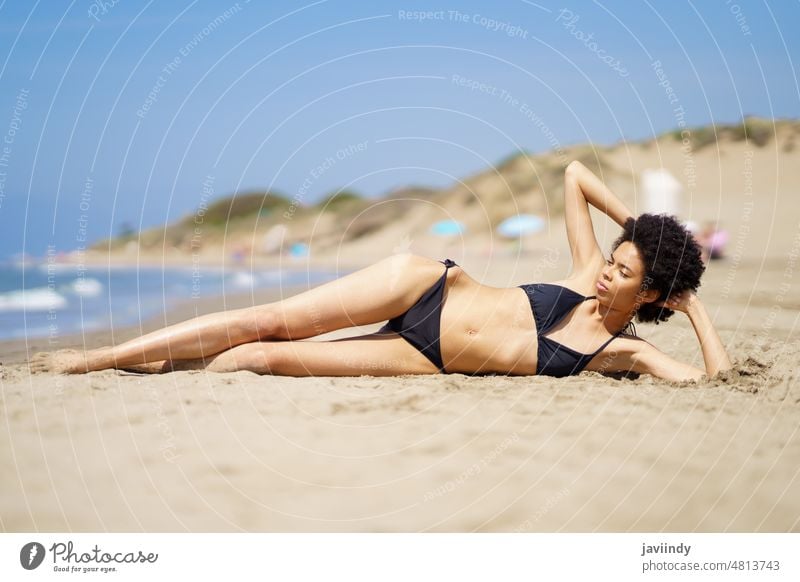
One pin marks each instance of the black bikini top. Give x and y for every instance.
(550, 304)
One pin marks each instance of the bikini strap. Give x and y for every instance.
(608, 341)
(613, 337)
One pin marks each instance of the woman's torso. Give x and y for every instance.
(488, 329)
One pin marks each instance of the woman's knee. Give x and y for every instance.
(256, 323)
(253, 357)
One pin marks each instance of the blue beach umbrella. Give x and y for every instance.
(520, 224)
(447, 227)
(298, 250)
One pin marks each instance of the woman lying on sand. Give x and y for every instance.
(555, 329)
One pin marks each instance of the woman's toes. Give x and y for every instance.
(39, 362)
(66, 361)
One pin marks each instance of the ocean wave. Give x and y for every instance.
(242, 279)
(36, 299)
(85, 287)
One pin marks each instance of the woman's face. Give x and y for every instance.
(621, 280)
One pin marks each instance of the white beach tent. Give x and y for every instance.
(661, 192)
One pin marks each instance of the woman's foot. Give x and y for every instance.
(69, 361)
(59, 362)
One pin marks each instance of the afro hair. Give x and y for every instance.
(672, 259)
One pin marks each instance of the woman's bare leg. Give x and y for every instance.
(370, 295)
(372, 354)
(201, 336)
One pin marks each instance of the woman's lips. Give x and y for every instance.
(601, 287)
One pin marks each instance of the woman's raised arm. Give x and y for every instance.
(598, 194)
(581, 188)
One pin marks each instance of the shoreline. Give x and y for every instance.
(123, 261)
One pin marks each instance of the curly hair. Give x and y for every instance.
(672, 259)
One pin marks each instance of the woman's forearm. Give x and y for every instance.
(598, 194)
(714, 354)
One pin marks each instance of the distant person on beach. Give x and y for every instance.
(712, 240)
(444, 321)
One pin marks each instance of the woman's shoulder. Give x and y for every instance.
(583, 281)
(628, 344)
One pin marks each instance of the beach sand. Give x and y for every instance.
(196, 451)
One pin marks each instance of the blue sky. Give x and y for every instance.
(143, 102)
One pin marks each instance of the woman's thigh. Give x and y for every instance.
(373, 294)
(384, 354)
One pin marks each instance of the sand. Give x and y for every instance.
(197, 451)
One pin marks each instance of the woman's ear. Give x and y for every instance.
(649, 295)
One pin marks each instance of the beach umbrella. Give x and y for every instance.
(520, 224)
(447, 228)
(298, 250)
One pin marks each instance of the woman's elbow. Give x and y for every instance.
(720, 370)
(684, 373)
(695, 375)
(677, 373)
(573, 168)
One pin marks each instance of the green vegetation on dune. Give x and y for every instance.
(240, 205)
(224, 214)
(755, 130)
(338, 200)
(509, 160)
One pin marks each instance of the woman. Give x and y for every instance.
(448, 322)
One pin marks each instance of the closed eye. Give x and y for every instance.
(611, 262)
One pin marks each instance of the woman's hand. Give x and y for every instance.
(680, 301)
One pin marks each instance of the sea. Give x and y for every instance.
(54, 299)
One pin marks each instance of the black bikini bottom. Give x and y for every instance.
(420, 325)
